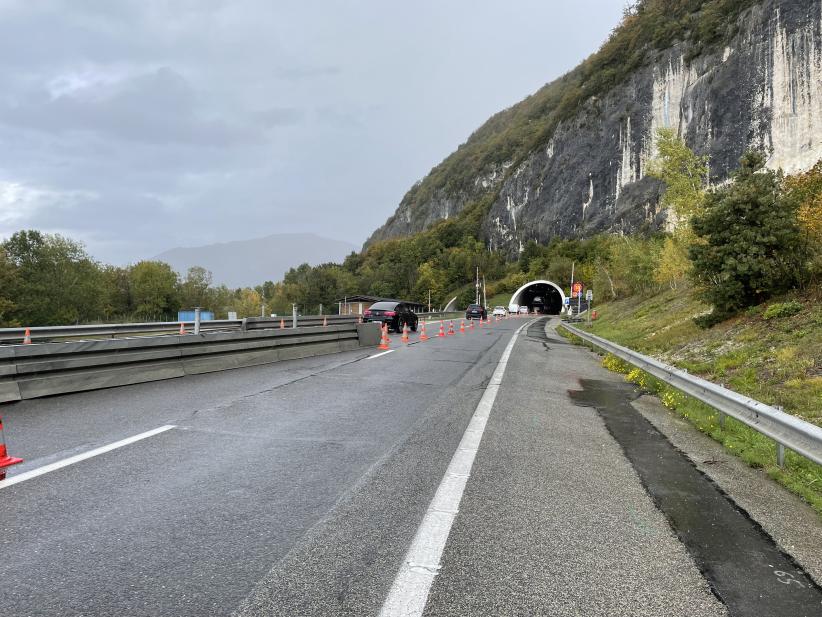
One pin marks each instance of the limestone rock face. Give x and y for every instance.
(763, 90)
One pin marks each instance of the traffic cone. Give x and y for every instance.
(182, 328)
(451, 328)
(5, 459)
(470, 324)
(423, 335)
(27, 337)
(325, 321)
(384, 339)
(282, 324)
(442, 330)
(481, 324)
(462, 326)
(405, 333)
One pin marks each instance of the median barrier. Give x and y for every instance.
(32, 371)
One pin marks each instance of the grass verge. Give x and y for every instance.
(776, 363)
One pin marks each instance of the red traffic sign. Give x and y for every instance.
(576, 290)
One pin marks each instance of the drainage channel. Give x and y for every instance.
(745, 568)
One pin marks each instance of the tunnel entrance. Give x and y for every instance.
(540, 297)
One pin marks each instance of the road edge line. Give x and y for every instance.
(409, 591)
(34, 473)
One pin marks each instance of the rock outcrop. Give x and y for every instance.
(762, 89)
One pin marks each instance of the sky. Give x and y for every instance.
(136, 126)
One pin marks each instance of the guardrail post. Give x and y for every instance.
(196, 320)
(722, 415)
(780, 449)
(293, 315)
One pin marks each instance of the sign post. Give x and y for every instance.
(576, 289)
(589, 298)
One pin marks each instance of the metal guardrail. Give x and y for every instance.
(786, 430)
(13, 336)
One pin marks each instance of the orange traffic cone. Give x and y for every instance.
(462, 326)
(384, 339)
(405, 333)
(470, 324)
(423, 335)
(27, 337)
(451, 328)
(182, 328)
(5, 459)
(442, 330)
(481, 324)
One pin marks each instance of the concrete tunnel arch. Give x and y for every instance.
(553, 298)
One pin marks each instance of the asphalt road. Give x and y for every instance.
(297, 488)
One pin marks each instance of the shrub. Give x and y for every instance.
(782, 309)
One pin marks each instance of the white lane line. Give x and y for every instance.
(409, 592)
(28, 475)
(377, 355)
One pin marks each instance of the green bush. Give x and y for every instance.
(782, 309)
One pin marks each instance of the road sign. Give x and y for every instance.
(567, 301)
(589, 295)
(577, 288)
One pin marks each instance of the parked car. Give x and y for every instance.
(523, 310)
(475, 311)
(394, 314)
(500, 310)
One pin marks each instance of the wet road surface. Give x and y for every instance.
(297, 489)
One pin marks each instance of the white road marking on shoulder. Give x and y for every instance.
(409, 592)
(377, 355)
(28, 475)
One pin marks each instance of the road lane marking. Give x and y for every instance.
(409, 592)
(28, 475)
(377, 355)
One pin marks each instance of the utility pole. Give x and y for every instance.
(477, 287)
(573, 263)
(429, 300)
(484, 297)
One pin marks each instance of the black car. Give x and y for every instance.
(395, 314)
(475, 311)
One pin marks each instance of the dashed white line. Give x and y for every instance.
(377, 355)
(28, 475)
(409, 592)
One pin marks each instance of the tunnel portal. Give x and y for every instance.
(539, 296)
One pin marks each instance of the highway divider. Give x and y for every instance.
(32, 371)
(786, 430)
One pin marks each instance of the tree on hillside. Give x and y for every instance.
(751, 246)
(684, 175)
(154, 291)
(806, 190)
(56, 281)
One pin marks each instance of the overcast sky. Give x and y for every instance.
(138, 126)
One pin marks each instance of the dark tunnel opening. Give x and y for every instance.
(540, 298)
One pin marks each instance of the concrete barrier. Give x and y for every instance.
(31, 371)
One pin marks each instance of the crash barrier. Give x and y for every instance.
(31, 371)
(786, 430)
(13, 336)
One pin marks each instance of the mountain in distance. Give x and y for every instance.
(246, 263)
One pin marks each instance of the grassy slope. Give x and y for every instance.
(777, 361)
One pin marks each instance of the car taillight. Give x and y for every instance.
(389, 313)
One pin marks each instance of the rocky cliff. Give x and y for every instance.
(760, 86)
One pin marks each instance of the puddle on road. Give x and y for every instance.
(743, 565)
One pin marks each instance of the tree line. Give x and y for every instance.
(736, 244)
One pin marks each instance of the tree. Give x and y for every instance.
(56, 281)
(673, 265)
(153, 287)
(8, 282)
(195, 290)
(751, 243)
(684, 174)
(806, 190)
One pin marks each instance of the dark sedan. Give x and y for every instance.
(395, 314)
(475, 311)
